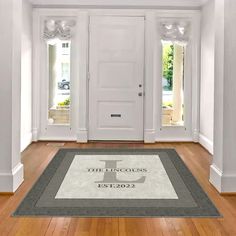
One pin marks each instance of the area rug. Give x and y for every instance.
(117, 183)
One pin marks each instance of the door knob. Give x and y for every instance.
(140, 94)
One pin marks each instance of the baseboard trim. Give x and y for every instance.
(82, 136)
(174, 139)
(26, 140)
(55, 138)
(35, 134)
(9, 182)
(224, 183)
(195, 136)
(216, 177)
(149, 136)
(228, 183)
(206, 143)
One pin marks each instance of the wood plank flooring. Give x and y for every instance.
(37, 156)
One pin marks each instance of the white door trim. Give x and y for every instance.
(149, 103)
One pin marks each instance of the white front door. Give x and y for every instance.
(116, 66)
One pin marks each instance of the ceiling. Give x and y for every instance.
(119, 3)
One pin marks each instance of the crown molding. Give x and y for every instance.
(119, 3)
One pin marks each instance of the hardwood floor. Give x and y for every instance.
(38, 155)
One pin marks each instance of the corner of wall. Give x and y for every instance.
(206, 143)
(224, 183)
(26, 140)
(216, 177)
(9, 182)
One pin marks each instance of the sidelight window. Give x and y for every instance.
(174, 38)
(57, 34)
(173, 55)
(59, 82)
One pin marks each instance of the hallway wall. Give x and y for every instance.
(11, 168)
(207, 76)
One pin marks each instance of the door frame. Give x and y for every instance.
(151, 70)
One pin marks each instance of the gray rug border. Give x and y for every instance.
(205, 207)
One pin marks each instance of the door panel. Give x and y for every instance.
(116, 78)
(115, 114)
(121, 74)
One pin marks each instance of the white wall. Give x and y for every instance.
(223, 168)
(26, 75)
(11, 169)
(207, 76)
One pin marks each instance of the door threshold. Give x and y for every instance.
(116, 141)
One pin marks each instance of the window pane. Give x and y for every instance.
(172, 84)
(59, 82)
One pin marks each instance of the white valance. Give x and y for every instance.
(175, 31)
(61, 29)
